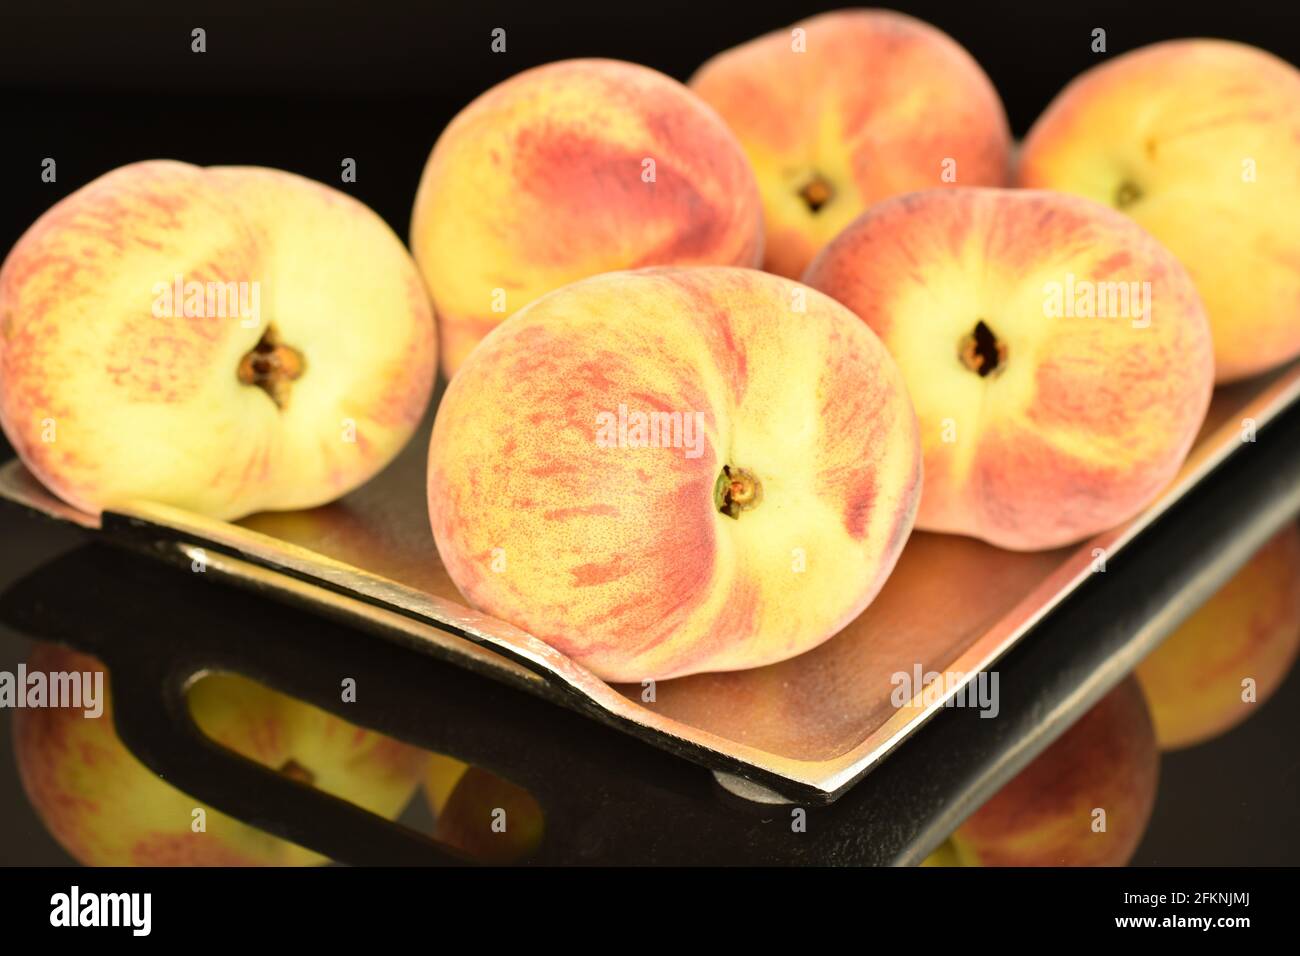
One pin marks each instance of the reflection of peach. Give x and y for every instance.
(569, 170)
(1047, 815)
(108, 809)
(1249, 629)
(875, 104)
(1199, 141)
(225, 340)
(755, 515)
(489, 819)
(1058, 357)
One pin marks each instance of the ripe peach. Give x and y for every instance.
(569, 170)
(108, 809)
(1250, 629)
(224, 340)
(1058, 356)
(675, 470)
(1047, 815)
(1199, 141)
(849, 108)
(489, 819)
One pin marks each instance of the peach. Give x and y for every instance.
(1250, 629)
(1048, 814)
(669, 471)
(849, 108)
(224, 340)
(1058, 356)
(569, 170)
(1199, 141)
(108, 809)
(489, 819)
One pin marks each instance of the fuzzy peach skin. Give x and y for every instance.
(876, 104)
(613, 546)
(1250, 629)
(1039, 428)
(1199, 141)
(111, 393)
(106, 808)
(1046, 815)
(543, 180)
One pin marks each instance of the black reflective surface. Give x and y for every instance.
(605, 797)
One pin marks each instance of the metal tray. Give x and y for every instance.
(806, 728)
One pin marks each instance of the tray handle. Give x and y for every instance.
(153, 721)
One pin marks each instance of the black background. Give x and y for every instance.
(300, 89)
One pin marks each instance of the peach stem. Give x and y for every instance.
(981, 352)
(816, 193)
(272, 366)
(736, 490)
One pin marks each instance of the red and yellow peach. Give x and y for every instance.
(485, 817)
(1198, 141)
(106, 808)
(1057, 355)
(1249, 631)
(1084, 801)
(224, 340)
(569, 170)
(669, 471)
(849, 108)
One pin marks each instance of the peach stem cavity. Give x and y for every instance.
(272, 366)
(1126, 194)
(816, 193)
(982, 352)
(736, 490)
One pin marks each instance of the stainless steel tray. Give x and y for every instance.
(807, 728)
